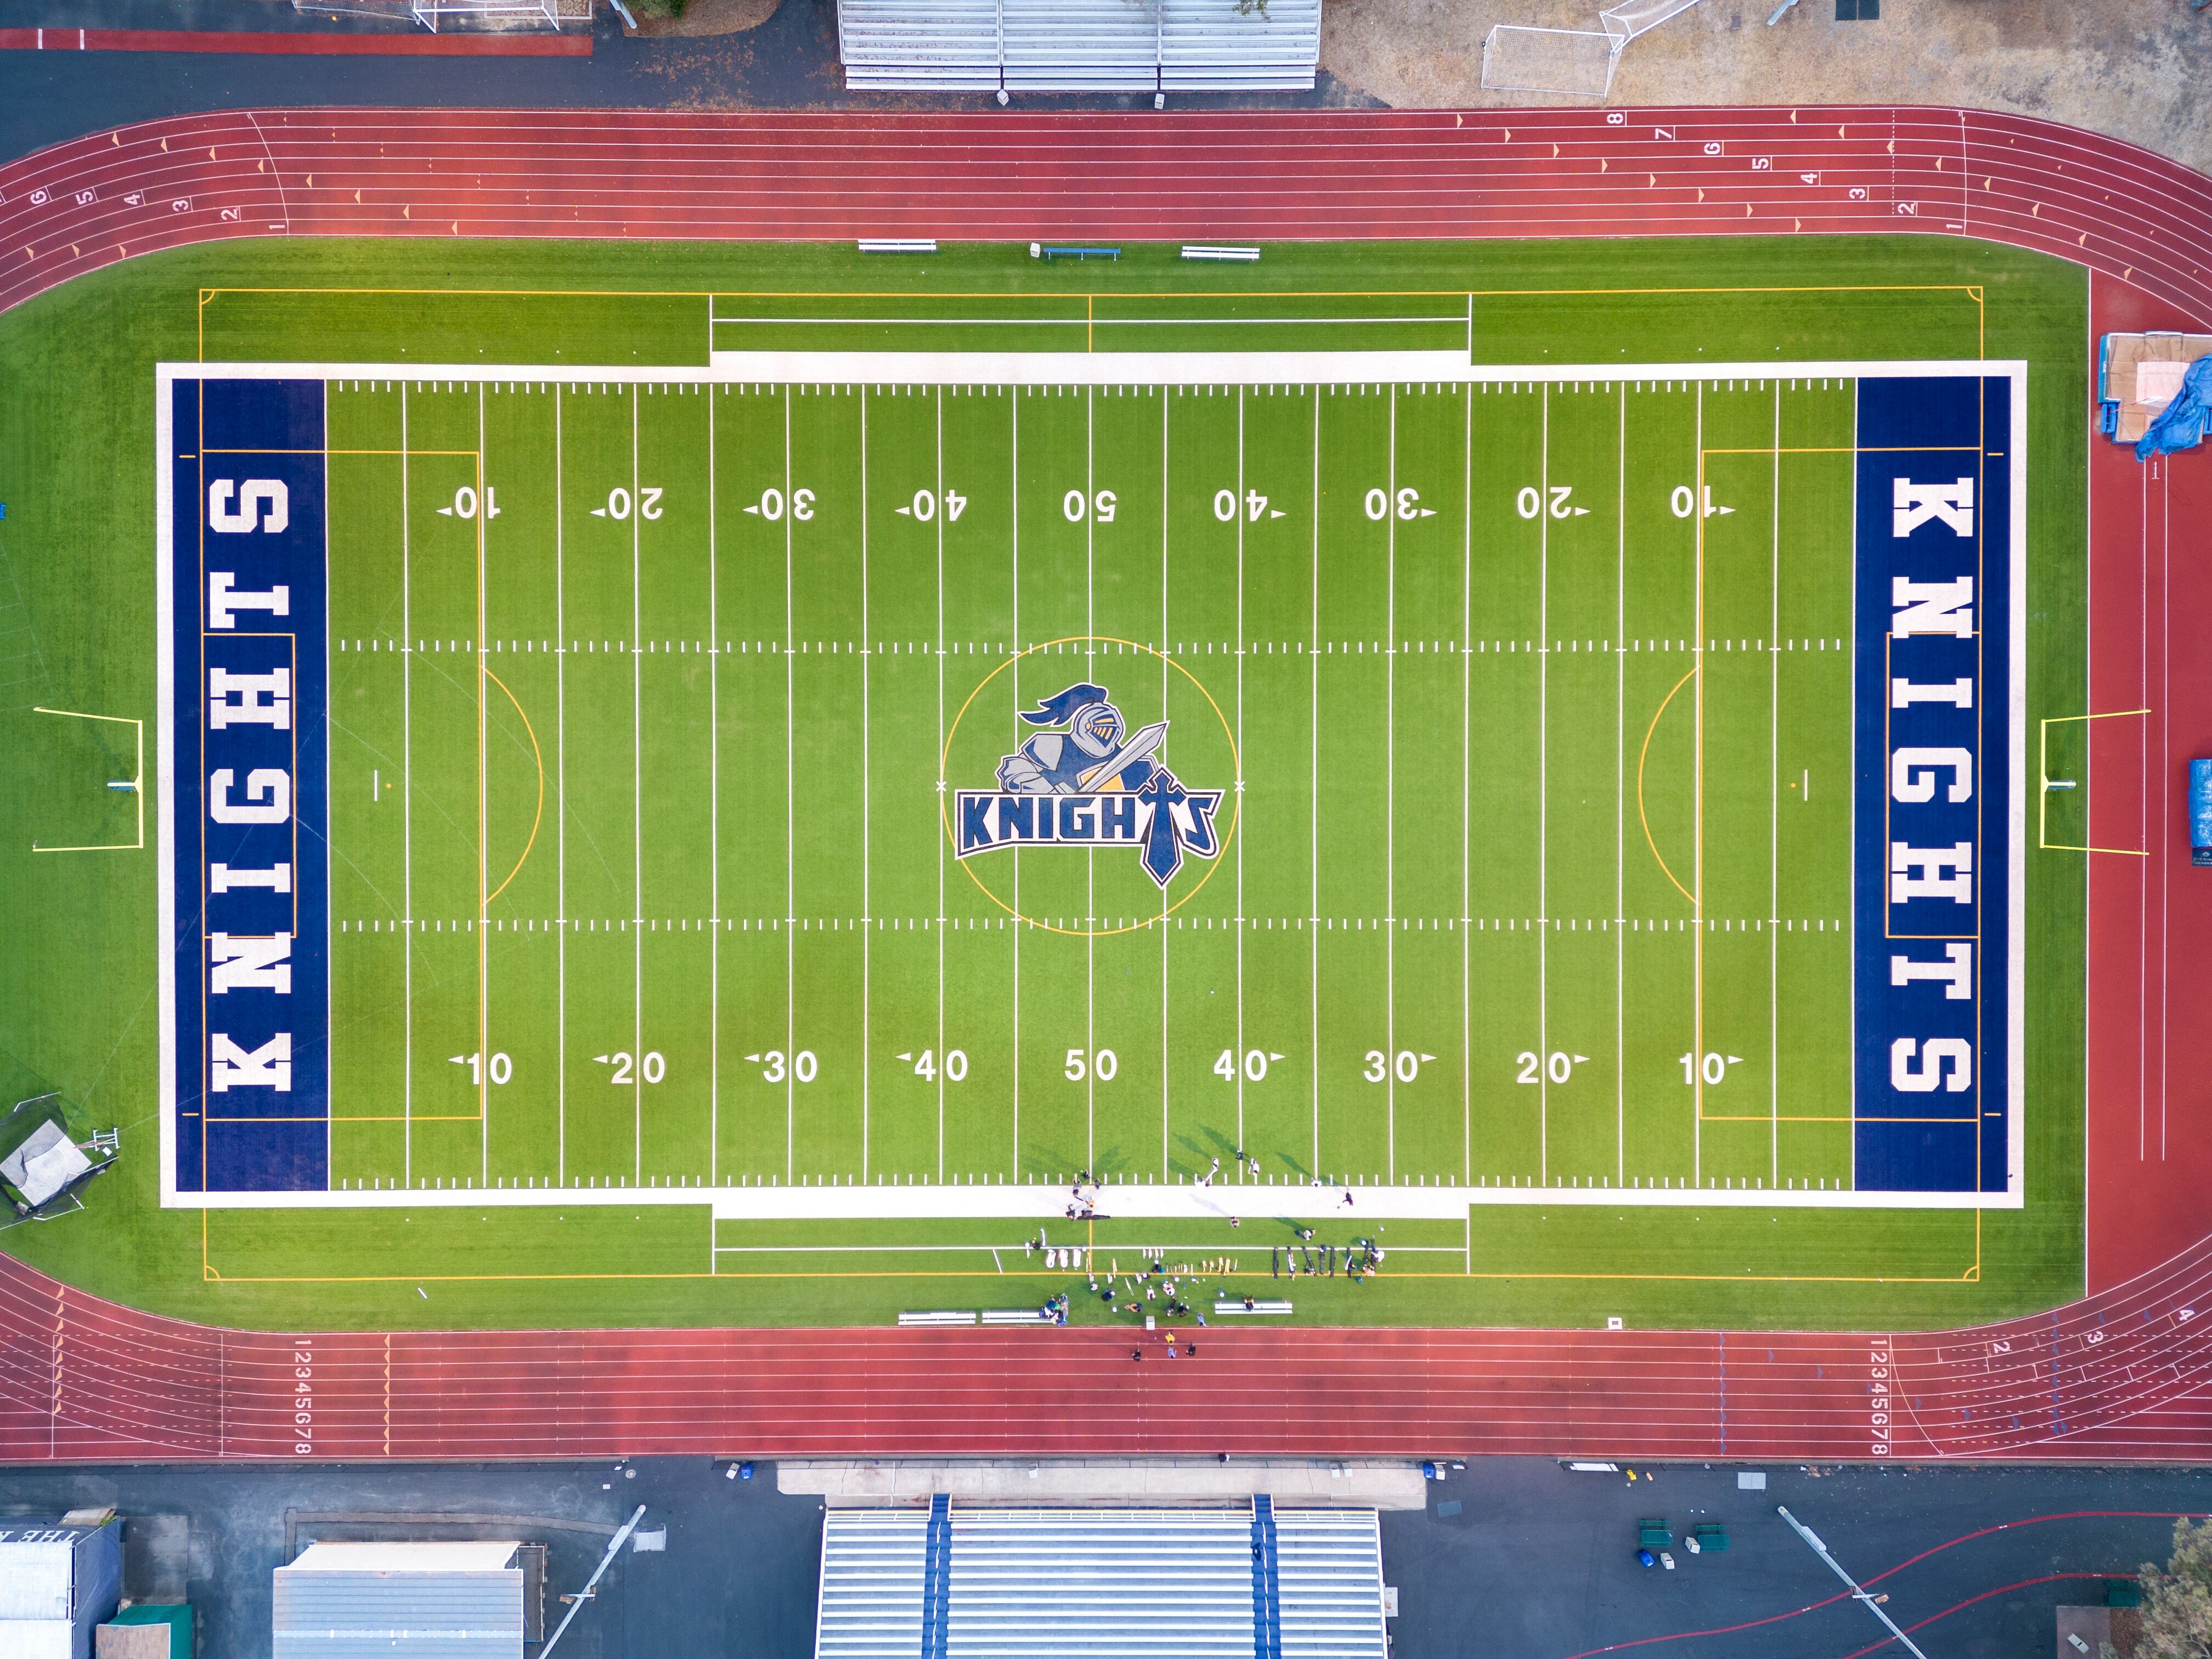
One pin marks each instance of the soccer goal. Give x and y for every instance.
(1571, 62)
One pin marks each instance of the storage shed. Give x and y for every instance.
(426, 1600)
(57, 1583)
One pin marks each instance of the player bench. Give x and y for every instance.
(1255, 1308)
(944, 1316)
(1051, 251)
(1018, 1317)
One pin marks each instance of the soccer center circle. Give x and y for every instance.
(1085, 649)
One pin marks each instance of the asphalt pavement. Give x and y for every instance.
(789, 62)
(1515, 1557)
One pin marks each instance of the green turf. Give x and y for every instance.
(755, 988)
(655, 760)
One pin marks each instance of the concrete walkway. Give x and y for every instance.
(1361, 1483)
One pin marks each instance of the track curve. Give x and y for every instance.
(2121, 1375)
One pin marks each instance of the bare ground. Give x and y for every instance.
(2134, 69)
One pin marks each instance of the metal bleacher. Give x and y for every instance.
(1168, 1583)
(1079, 45)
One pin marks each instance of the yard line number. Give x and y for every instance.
(502, 1068)
(1558, 1066)
(770, 505)
(1224, 505)
(803, 1066)
(1256, 1062)
(651, 1068)
(619, 503)
(924, 506)
(1713, 1067)
(1407, 503)
(926, 1067)
(1404, 1066)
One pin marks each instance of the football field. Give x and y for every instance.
(1256, 773)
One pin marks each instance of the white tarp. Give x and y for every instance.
(44, 1164)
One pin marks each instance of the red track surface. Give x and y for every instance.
(2121, 1375)
(298, 43)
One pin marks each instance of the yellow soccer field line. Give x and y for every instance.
(138, 843)
(538, 756)
(1642, 755)
(2043, 790)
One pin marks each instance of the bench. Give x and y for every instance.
(895, 244)
(1202, 251)
(1049, 251)
(1653, 1534)
(948, 1316)
(1016, 1316)
(1709, 1535)
(1256, 1307)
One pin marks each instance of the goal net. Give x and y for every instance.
(1575, 63)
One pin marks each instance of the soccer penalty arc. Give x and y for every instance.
(822, 786)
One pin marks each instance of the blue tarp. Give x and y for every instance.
(2180, 425)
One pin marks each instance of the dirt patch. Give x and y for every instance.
(657, 17)
(2129, 68)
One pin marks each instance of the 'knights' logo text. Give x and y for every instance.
(1084, 780)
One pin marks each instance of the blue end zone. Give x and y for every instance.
(250, 812)
(1932, 850)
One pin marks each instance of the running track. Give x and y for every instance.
(2124, 1374)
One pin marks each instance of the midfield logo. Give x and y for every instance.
(1082, 780)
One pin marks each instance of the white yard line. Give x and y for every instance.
(1543, 796)
(407, 807)
(1167, 396)
(1698, 814)
(1014, 644)
(636, 809)
(561, 804)
(1090, 856)
(790, 850)
(1313, 797)
(714, 812)
(1237, 1066)
(1621, 801)
(765, 1201)
(939, 521)
(1774, 815)
(1467, 781)
(484, 811)
(1391, 798)
(867, 885)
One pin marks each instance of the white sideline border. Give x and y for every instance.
(1184, 1202)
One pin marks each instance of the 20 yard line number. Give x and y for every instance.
(627, 1069)
(1556, 1067)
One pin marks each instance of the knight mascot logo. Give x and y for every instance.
(1085, 780)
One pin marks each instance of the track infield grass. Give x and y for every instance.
(722, 820)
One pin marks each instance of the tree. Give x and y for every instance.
(2177, 1615)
